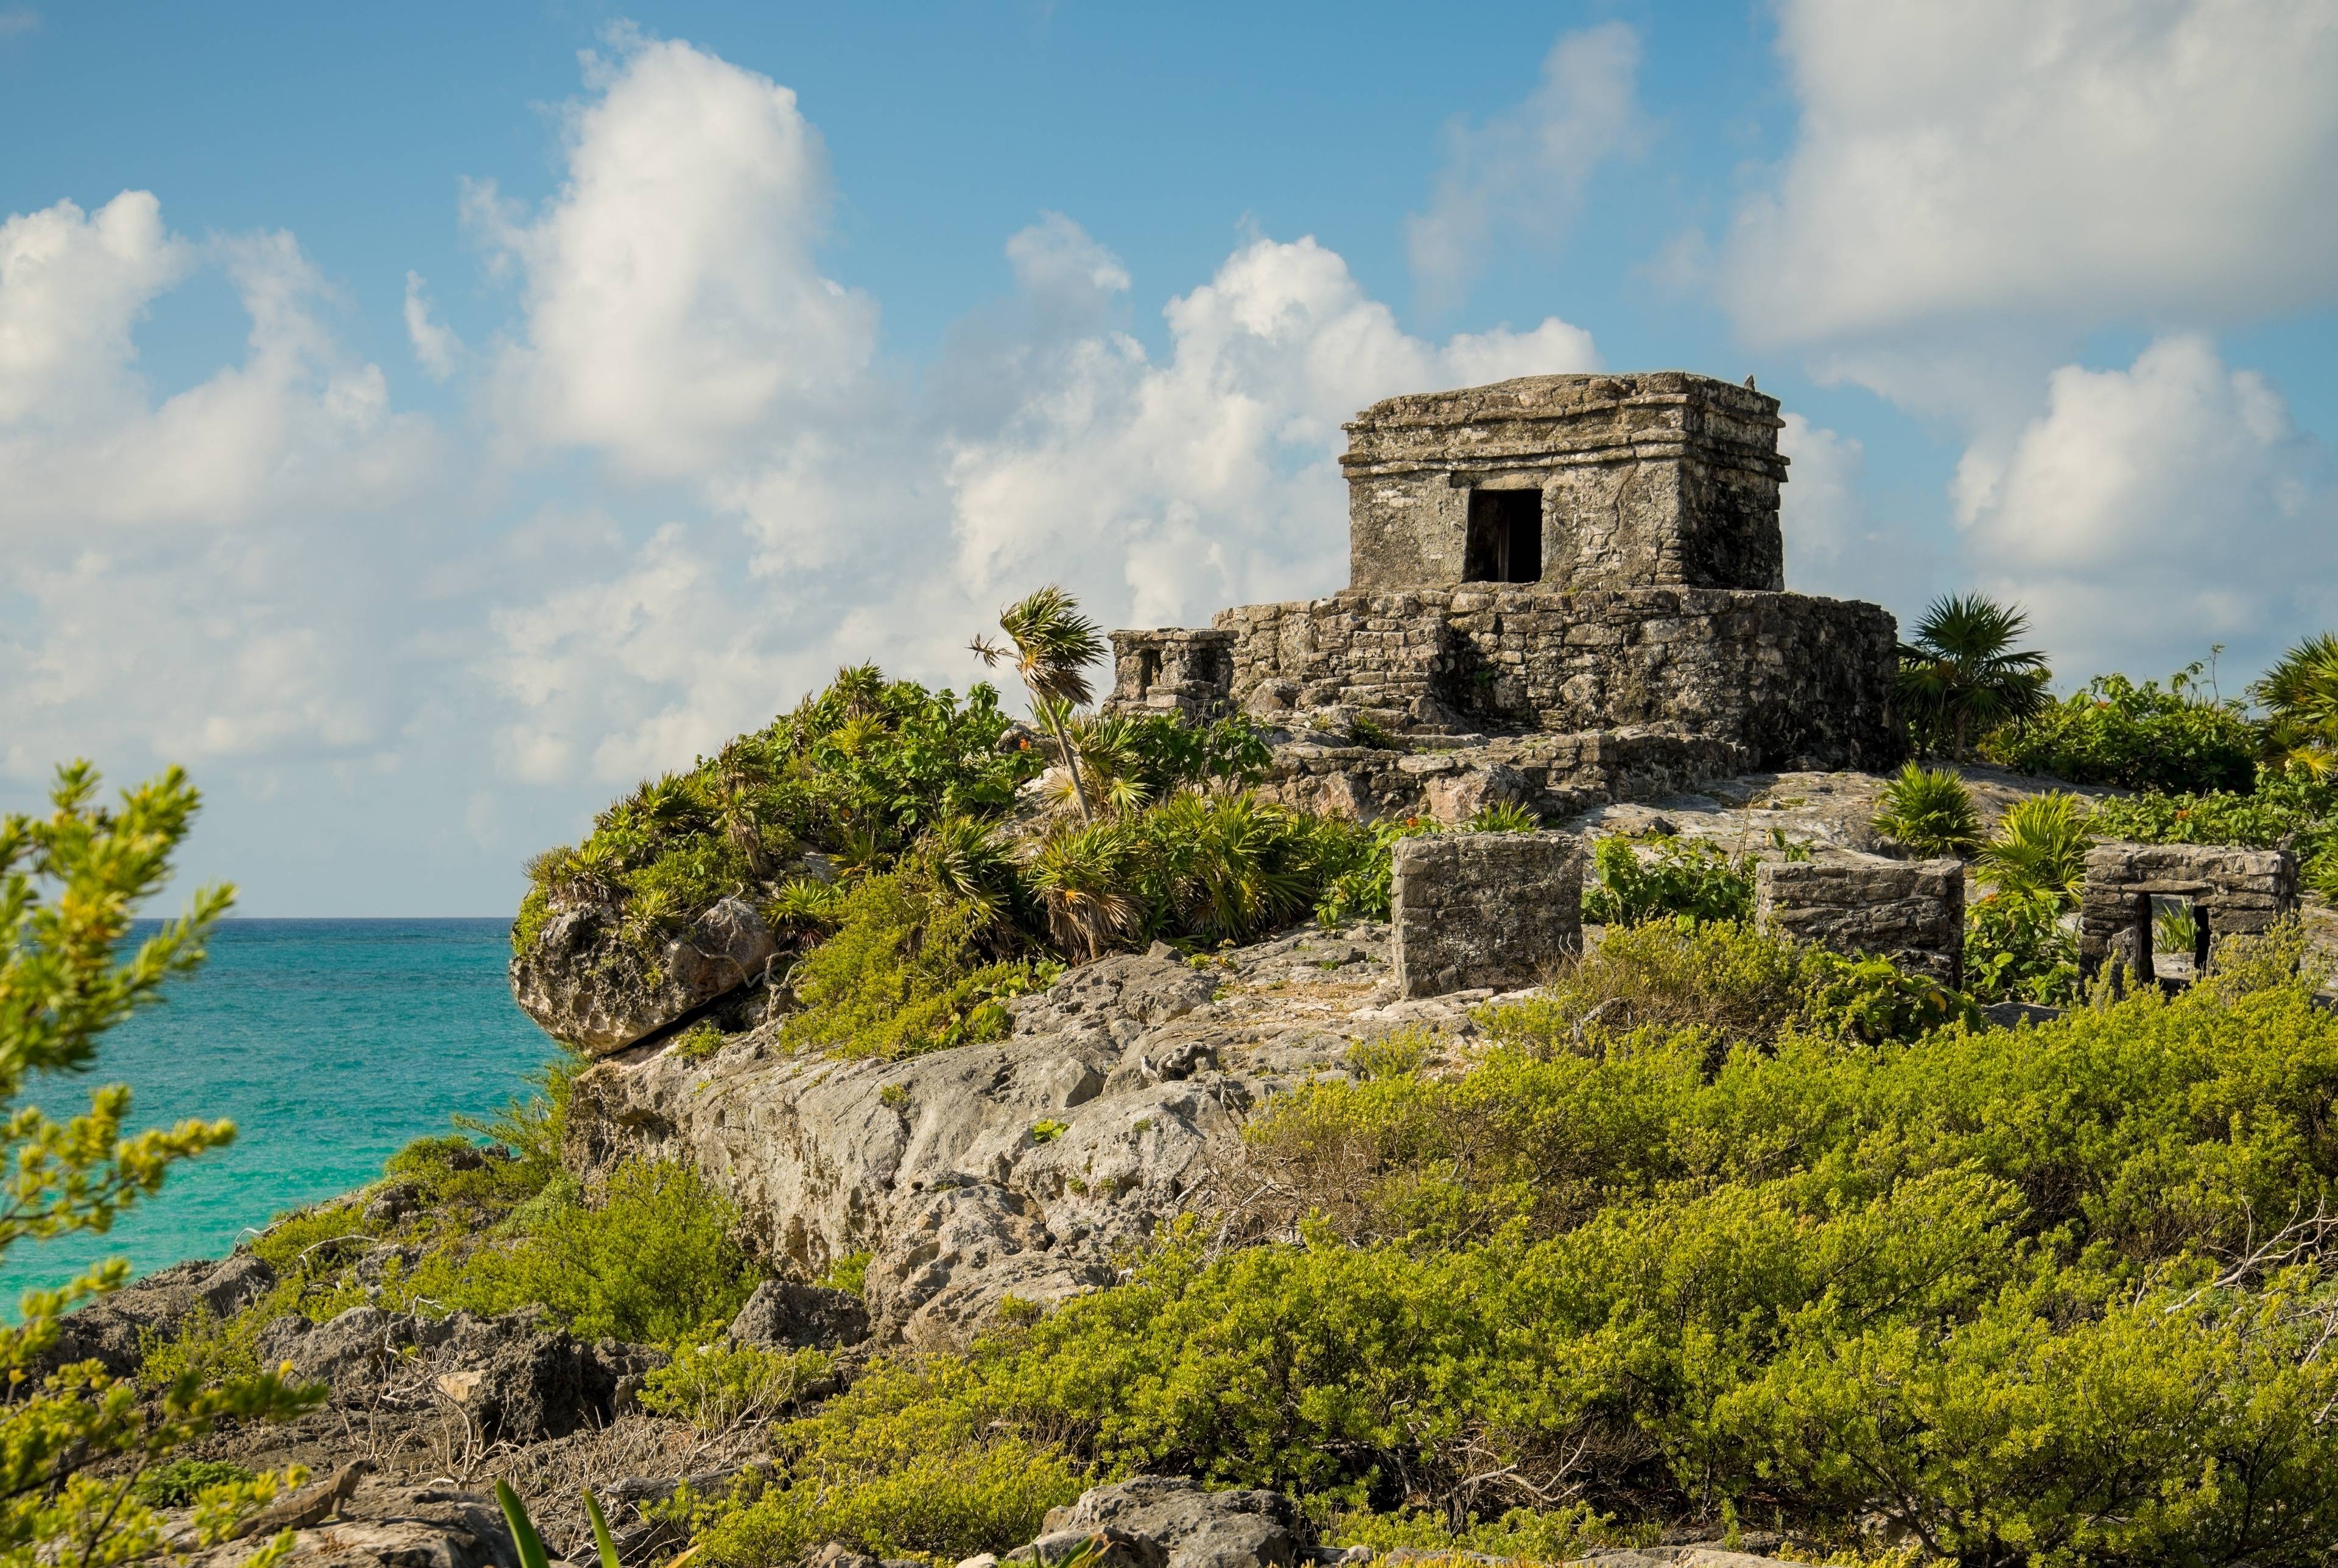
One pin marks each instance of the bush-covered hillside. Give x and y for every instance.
(2058, 1294)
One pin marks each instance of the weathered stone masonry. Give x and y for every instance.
(1590, 557)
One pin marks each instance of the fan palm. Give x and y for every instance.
(1963, 676)
(1051, 644)
(1082, 878)
(2301, 692)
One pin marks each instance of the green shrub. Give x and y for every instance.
(1731, 981)
(910, 969)
(2135, 737)
(857, 771)
(654, 1262)
(1975, 1287)
(698, 1043)
(1928, 810)
(1870, 999)
(2041, 847)
(719, 1385)
(899, 1464)
(1360, 886)
(2017, 949)
(2293, 807)
(850, 1273)
(1635, 880)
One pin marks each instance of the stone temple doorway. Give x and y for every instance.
(1505, 543)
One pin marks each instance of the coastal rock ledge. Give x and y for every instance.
(1017, 1169)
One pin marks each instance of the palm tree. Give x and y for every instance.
(1962, 673)
(2301, 692)
(1052, 645)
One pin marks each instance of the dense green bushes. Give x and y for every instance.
(2135, 736)
(855, 772)
(1992, 1291)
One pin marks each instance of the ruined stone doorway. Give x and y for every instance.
(1505, 537)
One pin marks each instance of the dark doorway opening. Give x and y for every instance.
(1505, 537)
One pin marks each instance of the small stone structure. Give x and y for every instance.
(1664, 479)
(1557, 556)
(1910, 913)
(2232, 893)
(1493, 910)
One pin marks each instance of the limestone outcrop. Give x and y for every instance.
(1015, 1169)
(588, 985)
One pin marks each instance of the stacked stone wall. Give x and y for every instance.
(2240, 892)
(1554, 776)
(1912, 913)
(1796, 680)
(1662, 479)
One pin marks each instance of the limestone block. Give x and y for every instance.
(1484, 909)
(1912, 913)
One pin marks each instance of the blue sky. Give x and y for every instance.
(422, 426)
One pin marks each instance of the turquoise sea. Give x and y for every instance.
(328, 1042)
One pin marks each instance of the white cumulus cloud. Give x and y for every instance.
(2065, 159)
(2153, 510)
(672, 307)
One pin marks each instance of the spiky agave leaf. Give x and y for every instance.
(1929, 810)
(2041, 847)
(969, 863)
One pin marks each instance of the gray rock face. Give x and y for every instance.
(1913, 915)
(108, 1330)
(396, 1527)
(586, 988)
(1494, 911)
(2240, 892)
(786, 1315)
(1015, 1169)
(1170, 1521)
(518, 1380)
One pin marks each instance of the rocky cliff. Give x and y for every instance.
(1010, 1169)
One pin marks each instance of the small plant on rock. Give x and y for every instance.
(2041, 847)
(1931, 812)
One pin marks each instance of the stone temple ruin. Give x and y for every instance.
(1563, 589)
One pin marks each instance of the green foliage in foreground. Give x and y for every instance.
(74, 1440)
(2134, 736)
(649, 1257)
(2009, 1295)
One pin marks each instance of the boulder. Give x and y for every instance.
(394, 1527)
(520, 1380)
(588, 987)
(1171, 1521)
(111, 1329)
(785, 1315)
